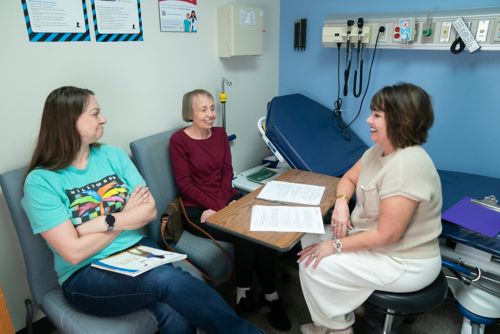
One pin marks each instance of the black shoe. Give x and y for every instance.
(277, 317)
(248, 305)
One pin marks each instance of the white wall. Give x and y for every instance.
(139, 87)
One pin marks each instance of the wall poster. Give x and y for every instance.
(117, 20)
(178, 15)
(56, 20)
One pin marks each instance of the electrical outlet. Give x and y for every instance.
(383, 35)
(444, 35)
(482, 30)
(496, 32)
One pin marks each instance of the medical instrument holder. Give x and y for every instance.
(299, 36)
(348, 57)
(359, 63)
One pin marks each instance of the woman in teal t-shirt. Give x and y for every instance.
(88, 201)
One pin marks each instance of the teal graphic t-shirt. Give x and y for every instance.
(80, 195)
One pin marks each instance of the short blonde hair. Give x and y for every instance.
(187, 103)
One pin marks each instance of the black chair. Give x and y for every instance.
(409, 304)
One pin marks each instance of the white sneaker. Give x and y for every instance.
(315, 329)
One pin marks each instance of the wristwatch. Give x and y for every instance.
(110, 220)
(337, 245)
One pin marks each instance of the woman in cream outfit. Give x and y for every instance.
(390, 241)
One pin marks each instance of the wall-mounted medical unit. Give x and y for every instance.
(439, 30)
(240, 30)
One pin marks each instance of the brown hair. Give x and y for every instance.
(408, 113)
(59, 140)
(187, 103)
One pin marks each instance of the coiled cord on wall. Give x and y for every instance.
(461, 46)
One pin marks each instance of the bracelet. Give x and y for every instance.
(343, 196)
(337, 246)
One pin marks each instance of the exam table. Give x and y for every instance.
(472, 258)
(306, 135)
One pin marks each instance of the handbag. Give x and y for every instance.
(172, 227)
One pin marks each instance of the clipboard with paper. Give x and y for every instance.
(481, 216)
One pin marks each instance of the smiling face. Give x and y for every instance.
(378, 130)
(203, 112)
(408, 114)
(90, 124)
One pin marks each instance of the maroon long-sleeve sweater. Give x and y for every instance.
(202, 169)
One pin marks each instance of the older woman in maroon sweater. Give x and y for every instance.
(201, 162)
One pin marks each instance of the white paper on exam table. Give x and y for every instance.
(287, 219)
(288, 192)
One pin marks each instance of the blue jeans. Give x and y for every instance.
(179, 301)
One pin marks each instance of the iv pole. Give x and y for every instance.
(223, 99)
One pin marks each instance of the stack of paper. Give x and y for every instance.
(287, 219)
(137, 260)
(288, 192)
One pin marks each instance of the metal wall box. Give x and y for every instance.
(240, 30)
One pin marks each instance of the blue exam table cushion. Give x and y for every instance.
(308, 137)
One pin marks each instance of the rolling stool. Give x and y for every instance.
(409, 303)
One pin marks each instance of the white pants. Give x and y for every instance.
(344, 281)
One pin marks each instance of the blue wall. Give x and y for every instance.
(465, 88)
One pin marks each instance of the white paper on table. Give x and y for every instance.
(292, 193)
(287, 219)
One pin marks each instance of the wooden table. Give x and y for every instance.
(235, 218)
